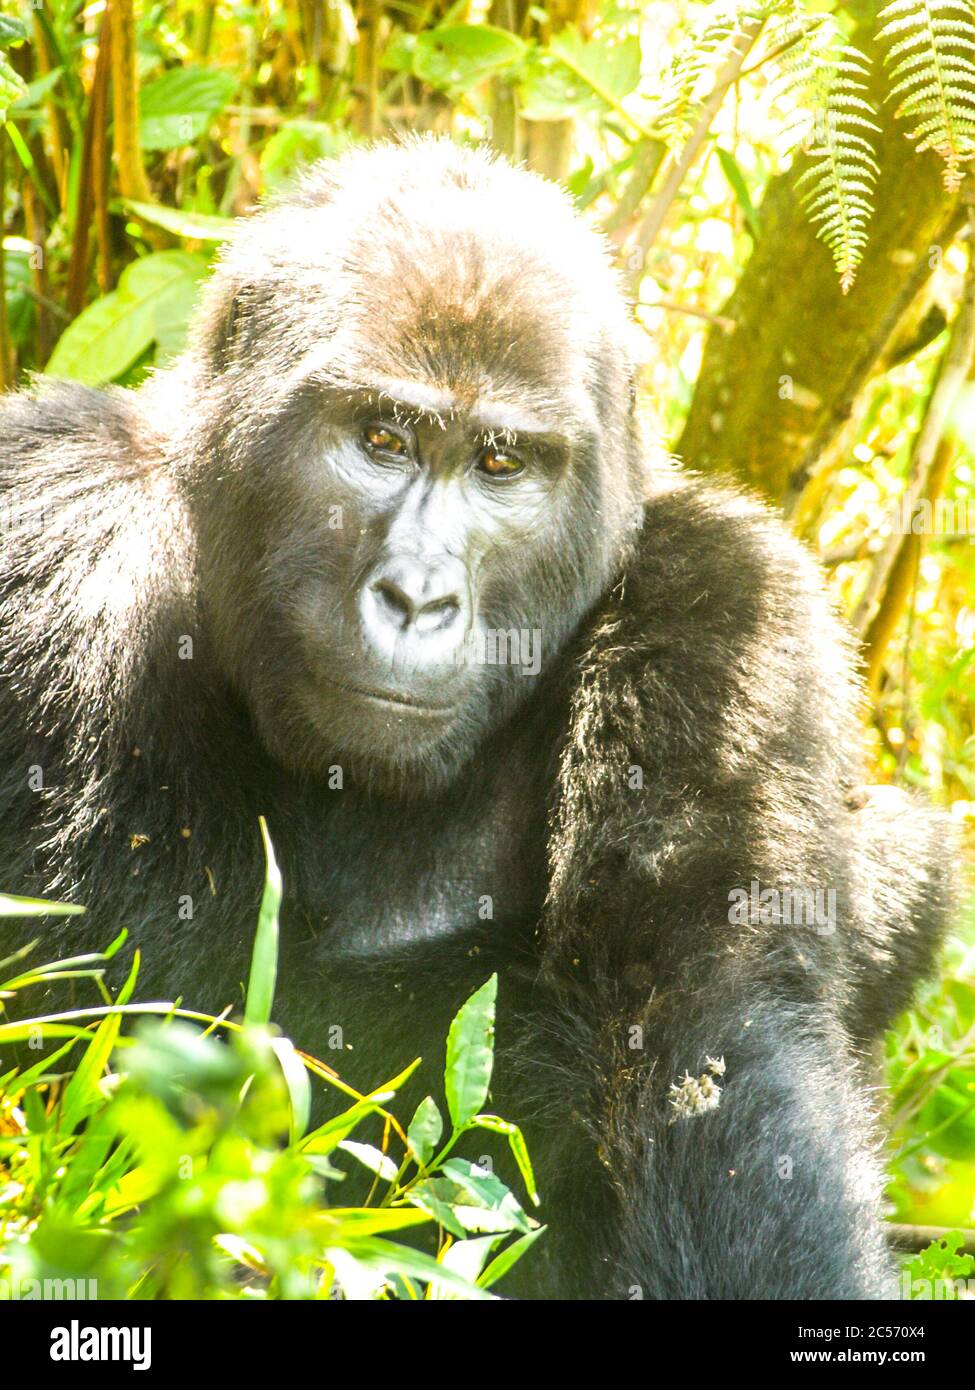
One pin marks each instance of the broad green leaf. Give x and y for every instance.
(425, 1130)
(13, 32)
(470, 1055)
(574, 75)
(492, 1206)
(456, 57)
(172, 318)
(107, 337)
(372, 1158)
(297, 144)
(180, 106)
(435, 1196)
(264, 960)
(549, 91)
(611, 70)
(194, 226)
(20, 305)
(12, 86)
(466, 1258)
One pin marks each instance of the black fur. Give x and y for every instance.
(687, 636)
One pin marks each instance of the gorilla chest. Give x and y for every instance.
(387, 873)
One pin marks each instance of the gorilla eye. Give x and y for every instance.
(499, 463)
(383, 440)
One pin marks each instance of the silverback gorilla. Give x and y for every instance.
(382, 558)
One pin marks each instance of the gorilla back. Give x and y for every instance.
(382, 558)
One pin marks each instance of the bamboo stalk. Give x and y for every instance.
(36, 227)
(91, 190)
(125, 103)
(367, 68)
(6, 355)
(902, 576)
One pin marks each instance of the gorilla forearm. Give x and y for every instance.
(780, 1204)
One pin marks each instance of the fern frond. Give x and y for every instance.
(933, 70)
(832, 122)
(691, 69)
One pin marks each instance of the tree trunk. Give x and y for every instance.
(773, 395)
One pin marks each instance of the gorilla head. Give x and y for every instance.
(412, 454)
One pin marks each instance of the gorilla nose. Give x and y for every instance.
(409, 603)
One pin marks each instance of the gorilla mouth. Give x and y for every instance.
(392, 697)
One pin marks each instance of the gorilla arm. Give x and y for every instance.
(713, 747)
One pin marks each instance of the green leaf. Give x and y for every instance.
(13, 32)
(470, 1055)
(11, 906)
(549, 91)
(493, 1207)
(425, 1130)
(299, 1087)
(499, 1266)
(20, 305)
(180, 106)
(736, 181)
(456, 57)
(929, 50)
(466, 1258)
(264, 961)
(82, 1094)
(435, 1196)
(375, 1253)
(297, 144)
(107, 337)
(519, 1149)
(26, 1031)
(366, 1221)
(194, 226)
(574, 75)
(330, 1135)
(372, 1158)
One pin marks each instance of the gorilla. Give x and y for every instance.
(383, 557)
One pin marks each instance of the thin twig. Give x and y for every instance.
(914, 1238)
(721, 321)
(677, 167)
(951, 378)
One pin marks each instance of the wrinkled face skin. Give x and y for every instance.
(419, 471)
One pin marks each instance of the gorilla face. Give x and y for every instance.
(418, 467)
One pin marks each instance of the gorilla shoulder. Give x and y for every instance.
(62, 428)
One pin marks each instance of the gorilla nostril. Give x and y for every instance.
(437, 614)
(395, 601)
